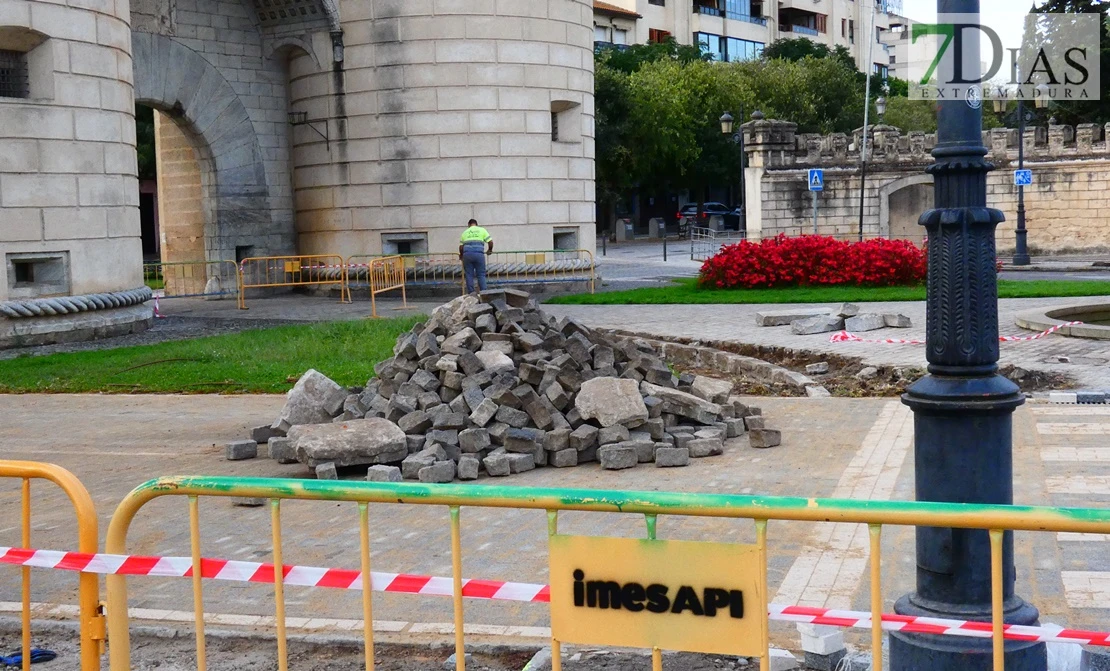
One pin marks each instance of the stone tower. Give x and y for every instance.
(69, 218)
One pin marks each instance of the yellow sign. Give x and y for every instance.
(673, 595)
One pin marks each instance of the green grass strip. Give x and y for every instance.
(256, 361)
(685, 291)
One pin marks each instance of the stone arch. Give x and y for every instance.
(176, 80)
(289, 45)
(901, 202)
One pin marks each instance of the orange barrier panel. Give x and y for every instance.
(384, 273)
(91, 620)
(293, 271)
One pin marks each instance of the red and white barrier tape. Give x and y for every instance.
(845, 336)
(157, 313)
(401, 583)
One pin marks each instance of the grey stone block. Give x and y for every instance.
(612, 434)
(785, 317)
(485, 411)
(383, 473)
(497, 465)
(818, 662)
(762, 438)
(415, 443)
(474, 440)
(645, 449)
(415, 422)
(812, 325)
(519, 463)
(583, 437)
(897, 321)
(705, 447)
(468, 467)
(444, 436)
(667, 457)
(617, 457)
(450, 420)
(556, 440)
(263, 434)
(564, 458)
(439, 472)
(523, 441)
(326, 472)
(734, 428)
(238, 450)
(282, 450)
(754, 422)
(817, 368)
(410, 467)
(864, 322)
(845, 310)
(513, 417)
(817, 391)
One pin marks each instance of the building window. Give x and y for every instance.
(881, 71)
(656, 36)
(661, 3)
(566, 121)
(893, 59)
(554, 126)
(565, 240)
(36, 274)
(820, 23)
(620, 36)
(243, 252)
(404, 243)
(711, 44)
(15, 80)
(844, 27)
(601, 34)
(851, 31)
(742, 50)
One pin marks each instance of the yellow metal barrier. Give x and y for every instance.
(91, 621)
(504, 268)
(293, 271)
(382, 273)
(997, 520)
(184, 279)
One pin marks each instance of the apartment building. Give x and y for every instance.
(737, 30)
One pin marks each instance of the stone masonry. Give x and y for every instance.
(1064, 206)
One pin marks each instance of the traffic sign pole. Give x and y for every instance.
(814, 212)
(816, 181)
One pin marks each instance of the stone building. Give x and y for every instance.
(287, 126)
(1065, 207)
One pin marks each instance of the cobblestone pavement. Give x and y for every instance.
(736, 323)
(860, 448)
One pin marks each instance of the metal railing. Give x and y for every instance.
(705, 242)
(293, 271)
(378, 275)
(542, 266)
(996, 520)
(192, 279)
(88, 588)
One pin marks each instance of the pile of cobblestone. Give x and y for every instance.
(493, 384)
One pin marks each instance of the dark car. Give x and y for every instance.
(689, 212)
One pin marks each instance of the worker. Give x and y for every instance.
(475, 244)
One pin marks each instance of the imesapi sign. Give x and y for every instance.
(657, 598)
(674, 595)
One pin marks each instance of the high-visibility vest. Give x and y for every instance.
(475, 234)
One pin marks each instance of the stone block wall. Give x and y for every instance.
(1065, 207)
(68, 187)
(180, 192)
(443, 111)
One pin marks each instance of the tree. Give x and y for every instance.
(1084, 111)
(798, 48)
(631, 59)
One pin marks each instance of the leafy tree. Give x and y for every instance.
(1085, 111)
(911, 115)
(798, 48)
(144, 140)
(631, 59)
(897, 87)
(616, 159)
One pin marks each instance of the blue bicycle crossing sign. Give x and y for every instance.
(1023, 178)
(816, 179)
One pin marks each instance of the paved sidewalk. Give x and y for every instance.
(861, 448)
(736, 323)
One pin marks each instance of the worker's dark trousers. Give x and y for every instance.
(474, 265)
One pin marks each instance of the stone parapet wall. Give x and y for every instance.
(1065, 207)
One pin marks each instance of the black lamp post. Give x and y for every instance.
(727, 125)
(1021, 250)
(963, 410)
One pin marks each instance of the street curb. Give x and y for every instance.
(1079, 397)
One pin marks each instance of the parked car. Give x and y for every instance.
(689, 212)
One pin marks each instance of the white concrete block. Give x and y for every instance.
(782, 660)
(1062, 397)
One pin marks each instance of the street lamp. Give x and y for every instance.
(1040, 101)
(963, 409)
(727, 126)
(880, 107)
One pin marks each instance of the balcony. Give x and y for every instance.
(757, 20)
(801, 30)
(708, 10)
(602, 46)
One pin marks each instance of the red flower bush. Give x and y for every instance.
(812, 260)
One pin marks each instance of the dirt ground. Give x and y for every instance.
(163, 650)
